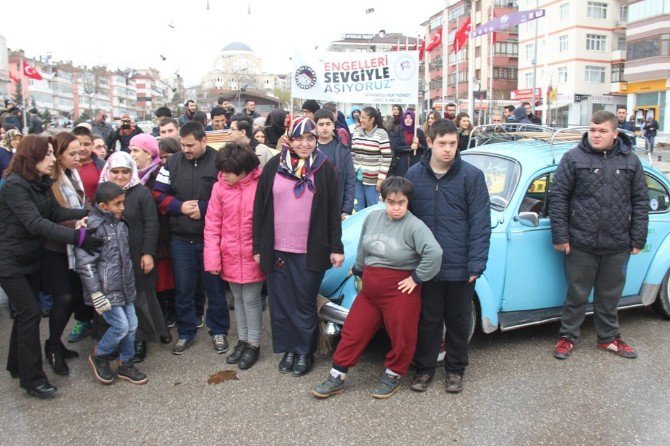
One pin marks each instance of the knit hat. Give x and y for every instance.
(300, 126)
(145, 142)
(311, 105)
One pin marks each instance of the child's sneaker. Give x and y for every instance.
(101, 369)
(563, 348)
(79, 331)
(388, 385)
(618, 347)
(331, 386)
(129, 372)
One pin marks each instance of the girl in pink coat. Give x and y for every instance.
(228, 245)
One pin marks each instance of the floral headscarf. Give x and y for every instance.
(120, 160)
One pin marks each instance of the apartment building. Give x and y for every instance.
(646, 76)
(495, 55)
(580, 53)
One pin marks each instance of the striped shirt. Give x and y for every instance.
(372, 153)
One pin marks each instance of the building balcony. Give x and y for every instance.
(618, 55)
(619, 87)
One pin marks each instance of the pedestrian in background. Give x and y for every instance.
(125, 133)
(407, 148)
(34, 122)
(649, 131)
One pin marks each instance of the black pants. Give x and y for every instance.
(605, 274)
(25, 354)
(447, 303)
(82, 312)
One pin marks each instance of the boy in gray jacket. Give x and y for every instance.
(109, 286)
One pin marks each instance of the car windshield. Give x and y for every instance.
(502, 176)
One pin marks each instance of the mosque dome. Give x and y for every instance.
(236, 46)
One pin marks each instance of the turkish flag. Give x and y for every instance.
(31, 71)
(462, 35)
(13, 78)
(422, 50)
(435, 41)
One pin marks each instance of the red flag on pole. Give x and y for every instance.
(13, 78)
(31, 72)
(422, 49)
(462, 35)
(435, 41)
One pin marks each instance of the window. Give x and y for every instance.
(563, 43)
(659, 200)
(617, 72)
(528, 78)
(504, 73)
(622, 43)
(652, 47)
(478, 51)
(537, 195)
(530, 50)
(596, 42)
(562, 75)
(623, 13)
(565, 11)
(501, 174)
(595, 75)
(507, 48)
(597, 10)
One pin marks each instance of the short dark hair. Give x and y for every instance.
(221, 100)
(323, 113)
(524, 103)
(373, 113)
(163, 112)
(330, 106)
(236, 158)
(442, 127)
(245, 126)
(188, 102)
(82, 131)
(108, 191)
(32, 149)
(217, 111)
(166, 121)
(510, 108)
(397, 185)
(169, 145)
(249, 100)
(200, 117)
(193, 128)
(603, 116)
(451, 104)
(621, 107)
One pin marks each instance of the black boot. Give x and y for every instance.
(128, 372)
(56, 359)
(303, 365)
(101, 368)
(286, 363)
(67, 353)
(249, 357)
(235, 356)
(140, 351)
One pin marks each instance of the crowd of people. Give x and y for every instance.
(132, 234)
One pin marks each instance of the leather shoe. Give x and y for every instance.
(167, 339)
(421, 382)
(303, 365)
(249, 357)
(43, 391)
(286, 363)
(454, 383)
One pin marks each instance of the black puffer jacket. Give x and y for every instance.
(28, 211)
(599, 201)
(142, 216)
(109, 271)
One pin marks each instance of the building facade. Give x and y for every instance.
(579, 49)
(646, 76)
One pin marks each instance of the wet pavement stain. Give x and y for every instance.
(223, 375)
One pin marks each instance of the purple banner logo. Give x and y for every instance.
(507, 21)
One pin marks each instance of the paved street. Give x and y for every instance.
(516, 394)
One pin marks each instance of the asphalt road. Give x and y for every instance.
(516, 394)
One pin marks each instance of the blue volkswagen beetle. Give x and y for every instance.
(524, 282)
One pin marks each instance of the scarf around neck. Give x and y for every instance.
(300, 170)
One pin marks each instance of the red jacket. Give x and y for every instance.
(228, 230)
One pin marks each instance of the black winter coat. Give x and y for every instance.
(142, 216)
(325, 226)
(110, 270)
(457, 210)
(29, 213)
(599, 201)
(403, 157)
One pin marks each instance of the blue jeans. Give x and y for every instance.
(122, 322)
(651, 142)
(187, 265)
(365, 196)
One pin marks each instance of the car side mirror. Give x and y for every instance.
(530, 219)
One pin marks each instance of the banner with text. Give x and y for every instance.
(361, 78)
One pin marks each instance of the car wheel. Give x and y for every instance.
(662, 302)
(473, 319)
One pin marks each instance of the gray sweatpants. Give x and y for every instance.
(248, 311)
(606, 275)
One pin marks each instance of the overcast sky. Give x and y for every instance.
(126, 33)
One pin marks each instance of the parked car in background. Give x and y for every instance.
(524, 282)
